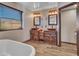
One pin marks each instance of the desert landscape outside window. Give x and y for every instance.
(10, 18)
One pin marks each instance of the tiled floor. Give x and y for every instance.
(44, 49)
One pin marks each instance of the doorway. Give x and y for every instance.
(68, 25)
(67, 17)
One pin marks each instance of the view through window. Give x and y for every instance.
(10, 18)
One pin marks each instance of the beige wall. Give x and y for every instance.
(44, 19)
(68, 22)
(19, 35)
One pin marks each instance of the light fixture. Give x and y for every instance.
(75, 5)
(56, 12)
(53, 11)
(36, 14)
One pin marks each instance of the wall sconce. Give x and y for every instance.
(75, 5)
(53, 12)
(36, 14)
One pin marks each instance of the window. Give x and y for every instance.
(10, 18)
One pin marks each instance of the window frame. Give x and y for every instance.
(20, 16)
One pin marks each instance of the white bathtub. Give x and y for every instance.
(14, 48)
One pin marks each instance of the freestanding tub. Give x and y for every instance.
(14, 48)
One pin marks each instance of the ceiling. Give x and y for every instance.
(34, 6)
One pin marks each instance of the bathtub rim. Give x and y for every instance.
(17, 42)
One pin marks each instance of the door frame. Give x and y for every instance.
(65, 6)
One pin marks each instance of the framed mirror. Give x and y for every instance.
(37, 20)
(52, 19)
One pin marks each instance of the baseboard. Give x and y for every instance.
(61, 42)
(69, 43)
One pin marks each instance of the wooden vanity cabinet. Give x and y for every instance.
(49, 36)
(34, 34)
